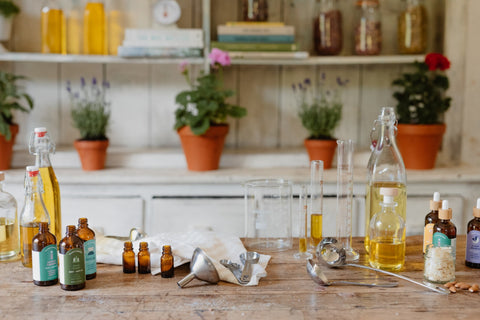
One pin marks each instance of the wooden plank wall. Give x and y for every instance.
(142, 96)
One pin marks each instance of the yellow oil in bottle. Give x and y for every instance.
(74, 32)
(51, 199)
(115, 31)
(53, 31)
(372, 204)
(8, 238)
(387, 254)
(27, 232)
(302, 245)
(316, 228)
(94, 41)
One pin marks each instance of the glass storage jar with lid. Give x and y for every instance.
(368, 28)
(412, 27)
(327, 28)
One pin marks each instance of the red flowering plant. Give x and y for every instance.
(422, 99)
(204, 104)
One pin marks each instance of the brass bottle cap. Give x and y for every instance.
(445, 214)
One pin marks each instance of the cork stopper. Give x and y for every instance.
(476, 211)
(435, 203)
(445, 213)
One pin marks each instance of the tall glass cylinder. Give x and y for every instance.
(315, 211)
(74, 27)
(115, 26)
(94, 24)
(345, 150)
(52, 27)
(302, 217)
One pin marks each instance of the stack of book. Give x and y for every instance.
(258, 40)
(162, 43)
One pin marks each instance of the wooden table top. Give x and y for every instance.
(287, 292)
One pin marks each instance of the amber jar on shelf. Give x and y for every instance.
(368, 28)
(255, 10)
(412, 27)
(327, 28)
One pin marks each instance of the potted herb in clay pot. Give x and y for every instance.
(8, 10)
(11, 98)
(90, 115)
(200, 119)
(320, 114)
(421, 105)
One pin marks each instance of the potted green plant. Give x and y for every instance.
(90, 115)
(200, 119)
(320, 114)
(421, 105)
(8, 10)
(12, 98)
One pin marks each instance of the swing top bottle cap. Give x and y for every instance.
(445, 213)
(40, 132)
(435, 203)
(476, 211)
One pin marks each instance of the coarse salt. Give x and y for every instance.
(439, 264)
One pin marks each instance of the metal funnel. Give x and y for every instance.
(202, 268)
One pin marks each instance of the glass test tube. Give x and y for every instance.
(302, 225)
(315, 210)
(345, 197)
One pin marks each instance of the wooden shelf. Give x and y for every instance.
(315, 60)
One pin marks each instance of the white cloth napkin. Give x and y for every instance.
(216, 245)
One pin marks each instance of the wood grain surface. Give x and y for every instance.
(286, 293)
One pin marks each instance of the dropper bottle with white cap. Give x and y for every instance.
(430, 219)
(387, 234)
(472, 257)
(444, 231)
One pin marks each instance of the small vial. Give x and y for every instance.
(128, 258)
(430, 219)
(166, 262)
(143, 258)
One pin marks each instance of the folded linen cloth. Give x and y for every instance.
(216, 245)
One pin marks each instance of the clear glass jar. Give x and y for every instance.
(9, 232)
(439, 264)
(368, 28)
(327, 28)
(412, 27)
(255, 10)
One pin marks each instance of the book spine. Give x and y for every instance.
(167, 43)
(259, 30)
(256, 38)
(183, 35)
(268, 55)
(255, 23)
(140, 52)
(254, 46)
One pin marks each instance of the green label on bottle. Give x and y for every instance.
(90, 256)
(441, 240)
(72, 267)
(45, 264)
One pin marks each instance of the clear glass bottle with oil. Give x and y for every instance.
(385, 169)
(9, 240)
(52, 26)
(32, 214)
(387, 234)
(42, 146)
(74, 17)
(116, 20)
(94, 25)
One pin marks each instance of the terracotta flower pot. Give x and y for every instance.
(419, 144)
(92, 153)
(6, 148)
(321, 150)
(203, 152)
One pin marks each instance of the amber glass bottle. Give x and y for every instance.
(44, 257)
(430, 219)
(166, 262)
(72, 261)
(89, 248)
(143, 258)
(472, 258)
(444, 231)
(128, 258)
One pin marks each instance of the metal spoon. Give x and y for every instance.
(248, 259)
(335, 256)
(319, 277)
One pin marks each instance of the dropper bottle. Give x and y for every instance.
(430, 219)
(444, 231)
(472, 257)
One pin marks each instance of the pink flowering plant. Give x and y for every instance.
(204, 104)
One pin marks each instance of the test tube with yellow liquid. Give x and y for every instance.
(315, 210)
(302, 226)
(94, 35)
